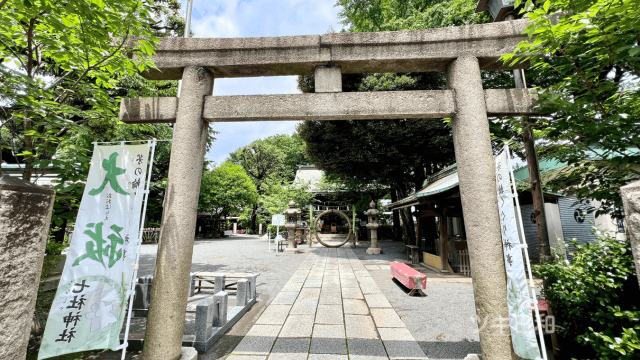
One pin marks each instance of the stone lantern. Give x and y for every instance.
(499, 9)
(291, 215)
(373, 225)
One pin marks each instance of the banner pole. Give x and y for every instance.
(534, 299)
(130, 292)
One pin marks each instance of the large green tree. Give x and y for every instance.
(226, 190)
(591, 113)
(269, 161)
(59, 62)
(64, 68)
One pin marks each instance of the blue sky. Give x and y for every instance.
(256, 18)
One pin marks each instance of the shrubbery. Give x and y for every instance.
(595, 300)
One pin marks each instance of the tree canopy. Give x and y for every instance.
(396, 155)
(271, 164)
(63, 70)
(591, 113)
(226, 190)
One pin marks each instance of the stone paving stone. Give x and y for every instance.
(305, 306)
(327, 357)
(400, 344)
(366, 349)
(349, 283)
(372, 267)
(385, 267)
(328, 339)
(290, 348)
(360, 327)
(367, 281)
(330, 298)
(355, 307)
(331, 287)
(297, 326)
(307, 293)
(331, 273)
(299, 279)
(258, 340)
(246, 357)
(377, 301)
(313, 283)
(274, 315)
(292, 356)
(329, 314)
(331, 280)
(387, 318)
(292, 286)
(285, 298)
(352, 293)
(361, 274)
(368, 288)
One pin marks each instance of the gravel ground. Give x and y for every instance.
(442, 322)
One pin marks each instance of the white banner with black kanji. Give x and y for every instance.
(89, 307)
(519, 301)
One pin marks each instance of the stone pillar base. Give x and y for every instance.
(292, 251)
(374, 251)
(189, 353)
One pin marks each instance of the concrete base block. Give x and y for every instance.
(374, 251)
(292, 251)
(189, 353)
(473, 357)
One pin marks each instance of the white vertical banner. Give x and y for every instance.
(519, 301)
(89, 307)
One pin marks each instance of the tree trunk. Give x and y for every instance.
(408, 227)
(397, 231)
(254, 215)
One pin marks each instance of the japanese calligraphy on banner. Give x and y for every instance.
(519, 302)
(89, 306)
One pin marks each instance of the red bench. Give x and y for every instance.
(411, 278)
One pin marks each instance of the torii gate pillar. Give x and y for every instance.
(165, 325)
(477, 174)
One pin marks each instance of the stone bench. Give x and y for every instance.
(413, 254)
(411, 278)
(220, 282)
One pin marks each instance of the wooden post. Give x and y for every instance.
(444, 239)
(418, 232)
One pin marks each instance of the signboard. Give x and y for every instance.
(519, 301)
(278, 220)
(89, 307)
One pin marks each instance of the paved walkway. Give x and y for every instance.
(331, 308)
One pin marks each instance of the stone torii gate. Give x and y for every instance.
(460, 51)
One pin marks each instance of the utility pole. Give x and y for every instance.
(504, 10)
